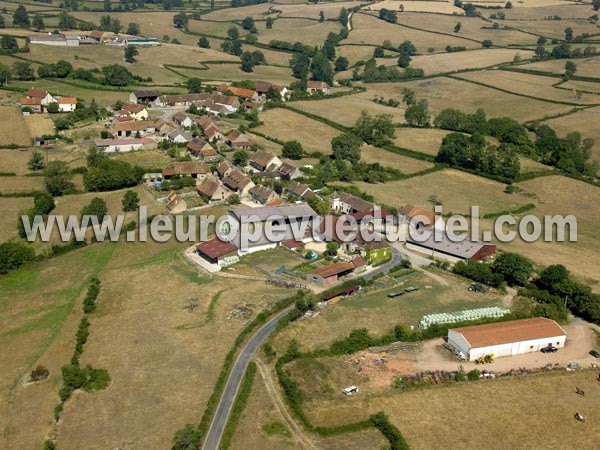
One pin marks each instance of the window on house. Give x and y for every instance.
(531, 347)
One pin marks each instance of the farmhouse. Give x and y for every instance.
(349, 204)
(35, 104)
(262, 194)
(134, 110)
(238, 183)
(216, 250)
(143, 96)
(96, 35)
(373, 251)
(510, 338)
(331, 273)
(213, 134)
(288, 171)
(193, 168)
(453, 248)
(124, 145)
(224, 168)
(300, 191)
(212, 190)
(43, 96)
(262, 87)
(246, 94)
(180, 99)
(418, 217)
(183, 120)
(264, 161)
(142, 41)
(131, 128)
(175, 204)
(178, 136)
(67, 104)
(202, 149)
(239, 141)
(317, 87)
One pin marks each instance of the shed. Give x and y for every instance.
(509, 338)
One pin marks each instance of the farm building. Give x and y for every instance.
(194, 168)
(124, 145)
(56, 40)
(211, 190)
(67, 104)
(330, 273)
(317, 87)
(260, 159)
(143, 96)
(510, 338)
(349, 204)
(262, 194)
(442, 245)
(216, 250)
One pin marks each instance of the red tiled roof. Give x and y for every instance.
(333, 269)
(36, 93)
(67, 100)
(292, 244)
(511, 331)
(30, 101)
(215, 248)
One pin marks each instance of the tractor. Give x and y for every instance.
(487, 359)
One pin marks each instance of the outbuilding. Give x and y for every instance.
(510, 338)
(216, 250)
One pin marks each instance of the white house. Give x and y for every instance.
(67, 104)
(44, 97)
(124, 145)
(183, 120)
(510, 338)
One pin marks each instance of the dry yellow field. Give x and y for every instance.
(526, 84)
(39, 125)
(368, 29)
(307, 31)
(262, 410)
(470, 28)
(426, 141)
(448, 62)
(13, 129)
(345, 110)
(9, 212)
(547, 399)
(355, 53)
(587, 67)
(143, 338)
(442, 7)
(468, 98)
(404, 164)
(9, 185)
(562, 9)
(213, 28)
(552, 28)
(586, 86)
(586, 122)
(16, 160)
(287, 125)
(457, 190)
(563, 196)
(217, 73)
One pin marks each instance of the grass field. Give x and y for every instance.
(10, 185)
(457, 190)
(356, 53)
(585, 86)
(368, 29)
(550, 29)
(426, 141)
(261, 411)
(562, 9)
(287, 125)
(448, 62)
(468, 98)
(471, 28)
(157, 338)
(39, 125)
(150, 159)
(378, 313)
(587, 67)
(13, 129)
(548, 399)
(217, 73)
(345, 110)
(9, 210)
(443, 7)
(583, 121)
(307, 31)
(405, 164)
(526, 84)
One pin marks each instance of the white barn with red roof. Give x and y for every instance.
(510, 338)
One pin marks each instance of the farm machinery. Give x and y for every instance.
(487, 359)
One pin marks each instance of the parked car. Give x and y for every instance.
(549, 349)
(595, 353)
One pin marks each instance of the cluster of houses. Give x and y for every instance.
(38, 100)
(93, 37)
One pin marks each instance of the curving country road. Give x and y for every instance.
(213, 437)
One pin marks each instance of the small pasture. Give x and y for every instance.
(405, 164)
(13, 128)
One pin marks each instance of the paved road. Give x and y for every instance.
(213, 437)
